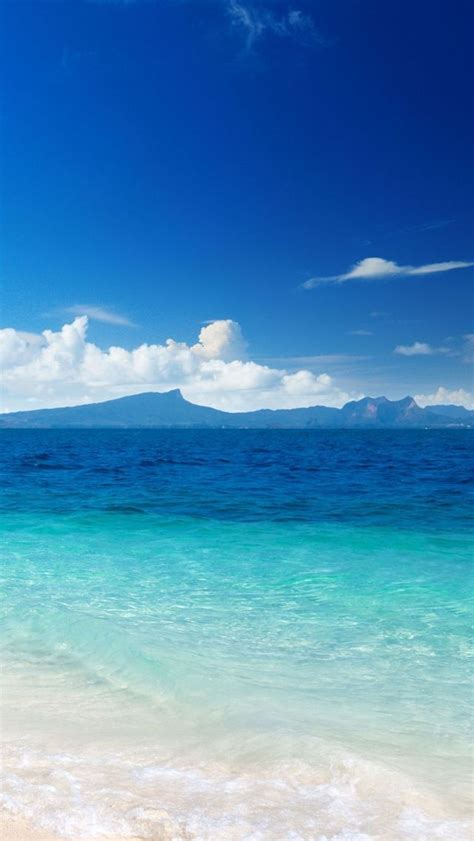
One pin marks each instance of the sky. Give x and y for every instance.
(261, 203)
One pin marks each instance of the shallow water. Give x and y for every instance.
(238, 634)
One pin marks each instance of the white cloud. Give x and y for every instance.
(99, 314)
(360, 333)
(443, 396)
(416, 349)
(255, 22)
(376, 268)
(63, 368)
(420, 349)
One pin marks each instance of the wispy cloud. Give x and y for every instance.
(318, 359)
(254, 22)
(433, 225)
(385, 231)
(419, 349)
(376, 268)
(108, 316)
(360, 333)
(468, 348)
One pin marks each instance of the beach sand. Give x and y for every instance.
(16, 829)
(13, 828)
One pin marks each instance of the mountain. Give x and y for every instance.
(379, 411)
(164, 410)
(457, 412)
(172, 410)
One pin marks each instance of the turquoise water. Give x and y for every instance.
(238, 635)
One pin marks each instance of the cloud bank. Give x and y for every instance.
(443, 396)
(63, 368)
(376, 268)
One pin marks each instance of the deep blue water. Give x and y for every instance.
(408, 479)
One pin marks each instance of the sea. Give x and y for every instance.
(238, 634)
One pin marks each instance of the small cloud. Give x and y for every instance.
(468, 349)
(419, 349)
(99, 314)
(254, 23)
(416, 349)
(360, 333)
(443, 396)
(376, 268)
(378, 314)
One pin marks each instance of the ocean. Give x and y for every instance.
(223, 635)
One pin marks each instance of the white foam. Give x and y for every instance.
(111, 795)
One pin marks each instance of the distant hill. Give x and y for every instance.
(456, 412)
(172, 410)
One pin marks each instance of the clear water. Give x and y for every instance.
(238, 634)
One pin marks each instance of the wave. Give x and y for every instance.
(69, 641)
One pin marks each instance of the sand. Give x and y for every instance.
(16, 829)
(13, 828)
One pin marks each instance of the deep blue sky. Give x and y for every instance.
(169, 161)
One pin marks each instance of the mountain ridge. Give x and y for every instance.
(171, 410)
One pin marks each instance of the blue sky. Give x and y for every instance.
(169, 164)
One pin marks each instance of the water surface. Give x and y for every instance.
(238, 634)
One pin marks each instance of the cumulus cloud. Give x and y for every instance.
(99, 314)
(221, 339)
(63, 368)
(254, 22)
(376, 268)
(443, 396)
(18, 347)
